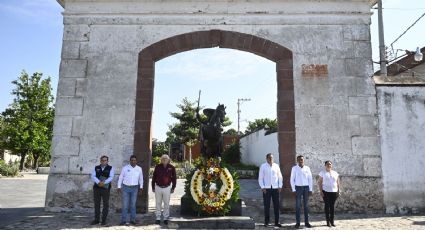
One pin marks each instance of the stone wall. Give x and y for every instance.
(334, 97)
(401, 125)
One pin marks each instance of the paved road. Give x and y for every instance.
(21, 209)
(21, 197)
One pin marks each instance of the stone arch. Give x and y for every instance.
(209, 39)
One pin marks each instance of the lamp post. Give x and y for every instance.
(239, 110)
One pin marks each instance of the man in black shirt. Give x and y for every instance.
(102, 175)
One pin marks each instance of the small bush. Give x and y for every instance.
(11, 169)
(156, 160)
(232, 155)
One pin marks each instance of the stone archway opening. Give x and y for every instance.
(209, 39)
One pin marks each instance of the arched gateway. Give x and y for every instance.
(326, 101)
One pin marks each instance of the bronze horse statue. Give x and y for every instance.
(210, 132)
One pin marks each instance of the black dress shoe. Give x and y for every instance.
(278, 225)
(308, 225)
(328, 224)
(333, 224)
(133, 222)
(297, 226)
(166, 222)
(157, 222)
(94, 222)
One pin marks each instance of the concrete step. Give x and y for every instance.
(221, 222)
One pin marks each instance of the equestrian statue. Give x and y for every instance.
(211, 130)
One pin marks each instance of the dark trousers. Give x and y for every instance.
(271, 194)
(329, 198)
(101, 194)
(301, 191)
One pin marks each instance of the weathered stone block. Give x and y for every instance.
(69, 106)
(356, 32)
(65, 146)
(366, 146)
(70, 50)
(362, 49)
(66, 87)
(365, 86)
(62, 125)
(84, 164)
(368, 125)
(77, 127)
(358, 67)
(362, 105)
(81, 87)
(59, 165)
(354, 124)
(372, 166)
(73, 68)
(76, 33)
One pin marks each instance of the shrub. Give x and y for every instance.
(156, 160)
(232, 155)
(11, 169)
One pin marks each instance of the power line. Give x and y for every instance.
(407, 29)
(408, 9)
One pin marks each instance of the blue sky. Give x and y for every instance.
(31, 33)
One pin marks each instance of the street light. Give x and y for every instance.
(239, 110)
(418, 55)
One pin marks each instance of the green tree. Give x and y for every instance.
(186, 130)
(270, 124)
(231, 132)
(159, 148)
(232, 155)
(28, 121)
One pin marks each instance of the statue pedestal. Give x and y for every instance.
(186, 209)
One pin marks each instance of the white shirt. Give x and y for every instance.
(270, 176)
(301, 177)
(131, 176)
(329, 180)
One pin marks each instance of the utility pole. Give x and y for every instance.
(382, 55)
(239, 111)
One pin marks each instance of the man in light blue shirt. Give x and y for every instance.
(302, 185)
(271, 181)
(102, 175)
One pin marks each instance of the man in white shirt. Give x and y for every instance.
(302, 185)
(271, 181)
(130, 179)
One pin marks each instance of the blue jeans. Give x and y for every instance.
(129, 195)
(301, 191)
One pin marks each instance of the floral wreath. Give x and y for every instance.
(213, 202)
